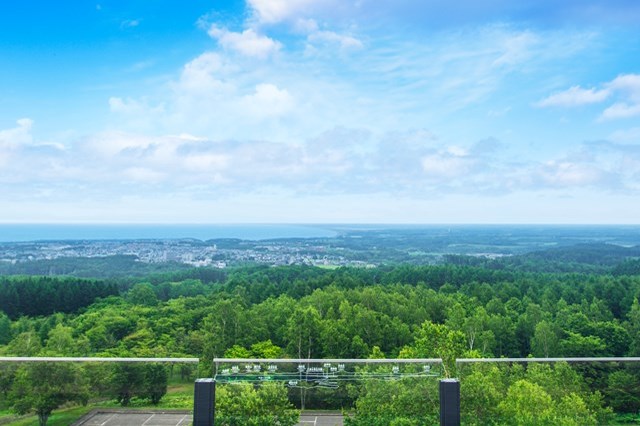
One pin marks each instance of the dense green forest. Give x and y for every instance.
(466, 308)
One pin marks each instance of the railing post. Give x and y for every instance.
(204, 402)
(449, 402)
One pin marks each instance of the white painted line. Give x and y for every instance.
(183, 419)
(145, 422)
(107, 421)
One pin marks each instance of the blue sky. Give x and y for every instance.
(403, 111)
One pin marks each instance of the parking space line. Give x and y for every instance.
(145, 422)
(182, 419)
(107, 421)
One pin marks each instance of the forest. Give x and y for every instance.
(465, 308)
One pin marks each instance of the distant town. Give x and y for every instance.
(189, 252)
(362, 247)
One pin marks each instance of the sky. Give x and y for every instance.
(320, 111)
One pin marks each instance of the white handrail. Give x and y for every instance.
(569, 359)
(330, 360)
(95, 359)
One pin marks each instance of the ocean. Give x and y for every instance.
(68, 232)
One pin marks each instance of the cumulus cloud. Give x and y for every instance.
(624, 89)
(570, 174)
(340, 161)
(575, 96)
(20, 135)
(248, 43)
(143, 175)
(275, 11)
(202, 75)
(268, 101)
(132, 106)
(621, 110)
(628, 85)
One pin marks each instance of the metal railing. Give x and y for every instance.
(96, 359)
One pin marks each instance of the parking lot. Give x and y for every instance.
(130, 418)
(320, 419)
(182, 418)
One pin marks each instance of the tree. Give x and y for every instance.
(143, 294)
(155, 382)
(5, 329)
(623, 392)
(24, 344)
(243, 404)
(545, 340)
(527, 404)
(304, 332)
(265, 349)
(437, 341)
(576, 344)
(126, 382)
(634, 328)
(481, 390)
(43, 387)
(409, 401)
(60, 341)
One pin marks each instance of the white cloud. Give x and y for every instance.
(628, 135)
(275, 11)
(16, 136)
(206, 162)
(132, 106)
(248, 43)
(575, 96)
(342, 161)
(203, 74)
(570, 174)
(628, 85)
(268, 101)
(517, 49)
(306, 25)
(344, 42)
(446, 166)
(143, 175)
(130, 23)
(620, 110)
(624, 88)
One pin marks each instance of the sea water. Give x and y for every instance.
(57, 232)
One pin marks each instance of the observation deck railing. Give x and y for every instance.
(204, 394)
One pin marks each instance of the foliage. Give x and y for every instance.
(245, 405)
(43, 387)
(410, 401)
(35, 296)
(155, 382)
(129, 380)
(445, 311)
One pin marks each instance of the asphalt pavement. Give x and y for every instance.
(182, 418)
